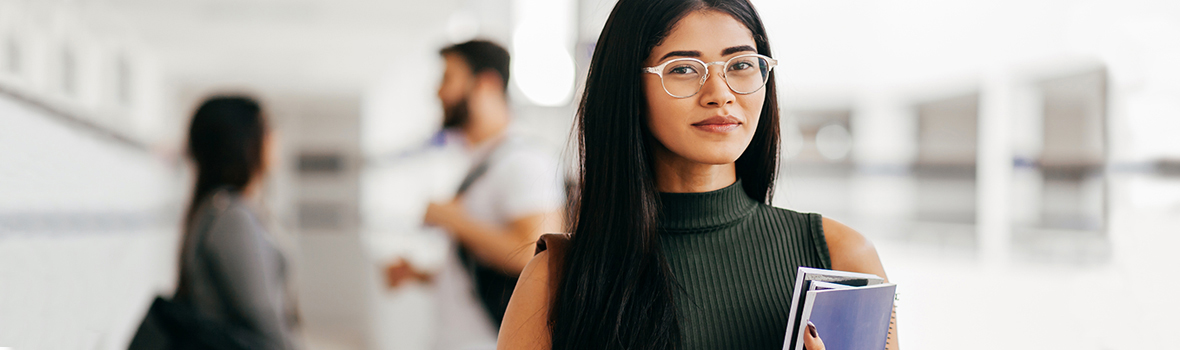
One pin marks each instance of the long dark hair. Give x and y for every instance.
(225, 142)
(616, 290)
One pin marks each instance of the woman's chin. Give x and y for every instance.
(705, 152)
(714, 159)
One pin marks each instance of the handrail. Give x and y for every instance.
(73, 119)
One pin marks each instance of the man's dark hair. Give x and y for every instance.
(481, 56)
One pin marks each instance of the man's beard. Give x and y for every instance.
(457, 115)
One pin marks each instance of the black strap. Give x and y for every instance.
(492, 286)
(476, 172)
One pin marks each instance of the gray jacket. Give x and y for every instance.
(235, 271)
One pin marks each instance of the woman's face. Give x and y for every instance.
(715, 125)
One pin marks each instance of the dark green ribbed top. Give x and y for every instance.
(736, 261)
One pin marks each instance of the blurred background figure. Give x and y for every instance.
(232, 267)
(1002, 155)
(233, 272)
(510, 195)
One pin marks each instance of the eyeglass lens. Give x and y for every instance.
(743, 74)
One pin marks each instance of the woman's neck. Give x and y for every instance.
(675, 174)
(253, 189)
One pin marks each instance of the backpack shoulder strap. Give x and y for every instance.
(479, 169)
(557, 244)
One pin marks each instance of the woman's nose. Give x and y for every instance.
(716, 91)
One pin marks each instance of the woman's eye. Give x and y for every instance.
(741, 66)
(682, 70)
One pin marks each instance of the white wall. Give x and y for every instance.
(88, 229)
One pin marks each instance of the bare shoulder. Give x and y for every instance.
(526, 321)
(536, 273)
(850, 250)
(839, 235)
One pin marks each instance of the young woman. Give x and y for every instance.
(231, 269)
(674, 243)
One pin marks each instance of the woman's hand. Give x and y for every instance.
(811, 340)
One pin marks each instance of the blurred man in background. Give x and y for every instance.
(511, 194)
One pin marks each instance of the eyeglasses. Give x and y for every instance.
(684, 77)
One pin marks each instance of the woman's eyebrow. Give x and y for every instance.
(682, 53)
(736, 49)
(697, 54)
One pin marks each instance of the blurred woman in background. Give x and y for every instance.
(675, 244)
(231, 268)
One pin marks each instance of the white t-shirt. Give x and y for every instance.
(521, 180)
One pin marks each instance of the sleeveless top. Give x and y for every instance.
(735, 259)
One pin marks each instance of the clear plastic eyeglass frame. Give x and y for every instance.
(659, 70)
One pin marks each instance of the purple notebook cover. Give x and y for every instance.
(855, 318)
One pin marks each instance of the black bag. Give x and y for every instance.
(492, 286)
(177, 326)
(173, 325)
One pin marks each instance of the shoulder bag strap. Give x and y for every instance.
(478, 170)
(557, 244)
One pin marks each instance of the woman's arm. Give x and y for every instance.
(851, 251)
(526, 322)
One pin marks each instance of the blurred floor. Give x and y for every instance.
(1076, 295)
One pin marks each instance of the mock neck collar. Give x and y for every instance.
(702, 211)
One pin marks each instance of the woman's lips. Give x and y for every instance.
(720, 124)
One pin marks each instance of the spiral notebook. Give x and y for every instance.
(850, 310)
